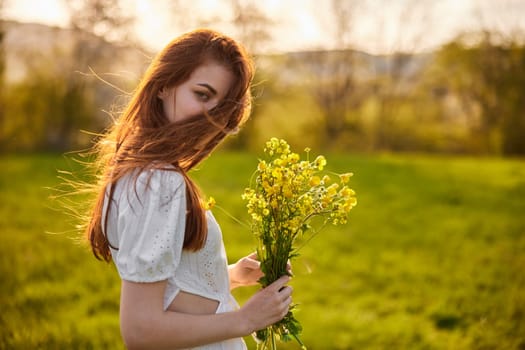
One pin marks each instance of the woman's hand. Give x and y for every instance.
(245, 272)
(268, 306)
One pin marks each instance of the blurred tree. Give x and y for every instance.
(251, 24)
(93, 24)
(185, 17)
(104, 18)
(60, 90)
(487, 74)
(393, 86)
(41, 109)
(252, 27)
(335, 86)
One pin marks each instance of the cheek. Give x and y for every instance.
(168, 109)
(187, 108)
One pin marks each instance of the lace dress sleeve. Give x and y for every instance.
(151, 223)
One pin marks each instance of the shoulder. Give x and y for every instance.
(159, 179)
(145, 184)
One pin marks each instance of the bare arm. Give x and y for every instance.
(145, 325)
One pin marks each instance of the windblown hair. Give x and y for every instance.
(143, 137)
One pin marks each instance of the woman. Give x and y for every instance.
(148, 216)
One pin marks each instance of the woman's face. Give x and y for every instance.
(205, 88)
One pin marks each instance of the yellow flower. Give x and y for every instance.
(293, 158)
(210, 203)
(287, 193)
(262, 165)
(346, 192)
(256, 217)
(320, 162)
(345, 177)
(277, 173)
(332, 190)
(315, 181)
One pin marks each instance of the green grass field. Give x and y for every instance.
(433, 257)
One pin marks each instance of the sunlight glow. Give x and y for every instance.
(379, 26)
(50, 12)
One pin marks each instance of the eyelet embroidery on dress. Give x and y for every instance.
(157, 255)
(158, 203)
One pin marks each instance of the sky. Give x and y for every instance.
(379, 26)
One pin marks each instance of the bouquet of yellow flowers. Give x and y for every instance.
(287, 193)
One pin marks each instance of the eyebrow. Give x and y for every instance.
(212, 90)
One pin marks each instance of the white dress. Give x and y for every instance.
(146, 223)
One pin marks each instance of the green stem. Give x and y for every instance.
(232, 217)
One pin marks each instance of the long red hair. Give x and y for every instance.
(143, 137)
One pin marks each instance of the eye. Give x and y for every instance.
(202, 96)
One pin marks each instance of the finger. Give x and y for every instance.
(281, 282)
(251, 263)
(253, 256)
(285, 292)
(287, 308)
(289, 268)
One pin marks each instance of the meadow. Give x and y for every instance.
(433, 257)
